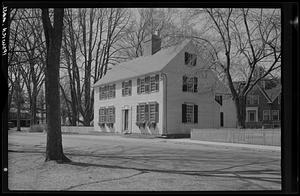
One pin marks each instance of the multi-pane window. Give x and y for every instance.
(126, 88)
(251, 115)
(252, 100)
(148, 84)
(189, 84)
(102, 115)
(189, 113)
(275, 114)
(107, 91)
(266, 115)
(107, 115)
(190, 59)
(147, 112)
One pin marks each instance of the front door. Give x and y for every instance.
(222, 119)
(125, 122)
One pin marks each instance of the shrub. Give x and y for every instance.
(38, 128)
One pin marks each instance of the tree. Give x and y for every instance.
(53, 36)
(241, 40)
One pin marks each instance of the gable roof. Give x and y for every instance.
(142, 65)
(273, 93)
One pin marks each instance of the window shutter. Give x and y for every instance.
(147, 112)
(157, 82)
(105, 115)
(156, 112)
(114, 114)
(183, 113)
(99, 119)
(137, 113)
(138, 86)
(184, 83)
(195, 113)
(195, 84)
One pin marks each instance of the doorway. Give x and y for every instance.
(222, 119)
(125, 120)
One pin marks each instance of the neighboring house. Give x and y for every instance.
(263, 107)
(24, 117)
(165, 92)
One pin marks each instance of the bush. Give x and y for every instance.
(38, 128)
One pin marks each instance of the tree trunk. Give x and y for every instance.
(240, 104)
(53, 35)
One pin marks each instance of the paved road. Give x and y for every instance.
(118, 163)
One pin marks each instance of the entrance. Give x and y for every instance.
(222, 119)
(125, 119)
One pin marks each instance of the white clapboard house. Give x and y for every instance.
(167, 91)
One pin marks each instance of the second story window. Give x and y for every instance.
(252, 100)
(275, 114)
(107, 91)
(189, 84)
(126, 88)
(148, 84)
(190, 59)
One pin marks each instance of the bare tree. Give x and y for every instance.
(243, 39)
(53, 35)
(90, 45)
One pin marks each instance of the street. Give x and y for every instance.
(105, 163)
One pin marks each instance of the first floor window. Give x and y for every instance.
(107, 114)
(189, 113)
(147, 112)
(266, 115)
(102, 115)
(275, 114)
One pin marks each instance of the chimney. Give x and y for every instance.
(152, 44)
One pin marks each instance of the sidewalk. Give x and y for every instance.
(252, 146)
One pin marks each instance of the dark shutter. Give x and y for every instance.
(147, 112)
(195, 113)
(114, 114)
(157, 82)
(195, 84)
(138, 86)
(221, 100)
(183, 113)
(184, 83)
(137, 113)
(156, 112)
(99, 120)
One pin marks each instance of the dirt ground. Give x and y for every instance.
(115, 163)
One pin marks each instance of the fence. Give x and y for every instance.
(76, 129)
(270, 137)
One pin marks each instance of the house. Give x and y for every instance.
(263, 106)
(167, 91)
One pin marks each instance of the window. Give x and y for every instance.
(266, 115)
(218, 99)
(148, 84)
(251, 115)
(252, 100)
(102, 115)
(275, 114)
(147, 112)
(107, 115)
(189, 113)
(126, 88)
(107, 92)
(189, 84)
(190, 59)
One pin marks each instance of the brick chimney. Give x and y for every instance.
(152, 44)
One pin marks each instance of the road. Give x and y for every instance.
(132, 164)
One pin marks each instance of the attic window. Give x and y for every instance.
(190, 59)
(218, 99)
